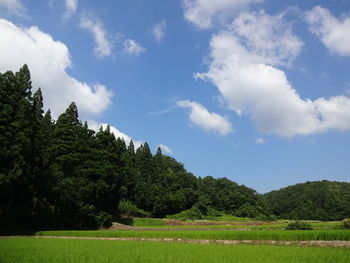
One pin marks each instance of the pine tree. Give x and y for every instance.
(15, 178)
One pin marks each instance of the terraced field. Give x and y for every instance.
(183, 241)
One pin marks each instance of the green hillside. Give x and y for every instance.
(321, 200)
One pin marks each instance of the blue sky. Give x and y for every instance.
(253, 90)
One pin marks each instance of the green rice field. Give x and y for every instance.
(238, 223)
(32, 250)
(278, 235)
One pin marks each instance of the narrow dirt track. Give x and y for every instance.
(316, 243)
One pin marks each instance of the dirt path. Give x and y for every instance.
(317, 243)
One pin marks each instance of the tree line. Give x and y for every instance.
(61, 174)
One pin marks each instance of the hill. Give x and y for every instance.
(320, 200)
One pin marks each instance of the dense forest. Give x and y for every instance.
(322, 200)
(61, 174)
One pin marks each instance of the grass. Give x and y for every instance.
(28, 250)
(279, 235)
(280, 224)
(228, 218)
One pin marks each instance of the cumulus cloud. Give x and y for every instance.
(268, 37)
(118, 134)
(95, 26)
(246, 75)
(201, 117)
(48, 61)
(132, 48)
(334, 33)
(71, 7)
(203, 13)
(158, 31)
(14, 6)
(165, 148)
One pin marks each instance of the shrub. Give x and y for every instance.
(191, 214)
(346, 223)
(128, 209)
(104, 220)
(266, 218)
(214, 212)
(299, 225)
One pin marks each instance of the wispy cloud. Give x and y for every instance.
(103, 45)
(131, 47)
(71, 6)
(158, 30)
(15, 7)
(259, 140)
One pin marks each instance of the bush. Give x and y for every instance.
(214, 212)
(346, 223)
(128, 209)
(191, 214)
(299, 225)
(104, 220)
(266, 218)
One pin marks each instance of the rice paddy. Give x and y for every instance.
(278, 235)
(28, 250)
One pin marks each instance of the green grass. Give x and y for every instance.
(280, 235)
(228, 218)
(280, 224)
(29, 250)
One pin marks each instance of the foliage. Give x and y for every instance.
(346, 223)
(29, 250)
(64, 175)
(191, 214)
(61, 174)
(299, 225)
(128, 209)
(321, 200)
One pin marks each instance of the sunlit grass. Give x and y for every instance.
(279, 235)
(29, 250)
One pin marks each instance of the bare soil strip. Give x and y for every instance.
(316, 243)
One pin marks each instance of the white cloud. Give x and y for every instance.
(260, 140)
(118, 134)
(48, 60)
(165, 148)
(131, 47)
(254, 88)
(210, 121)
(71, 7)
(158, 30)
(203, 13)
(103, 46)
(267, 36)
(14, 6)
(333, 32)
